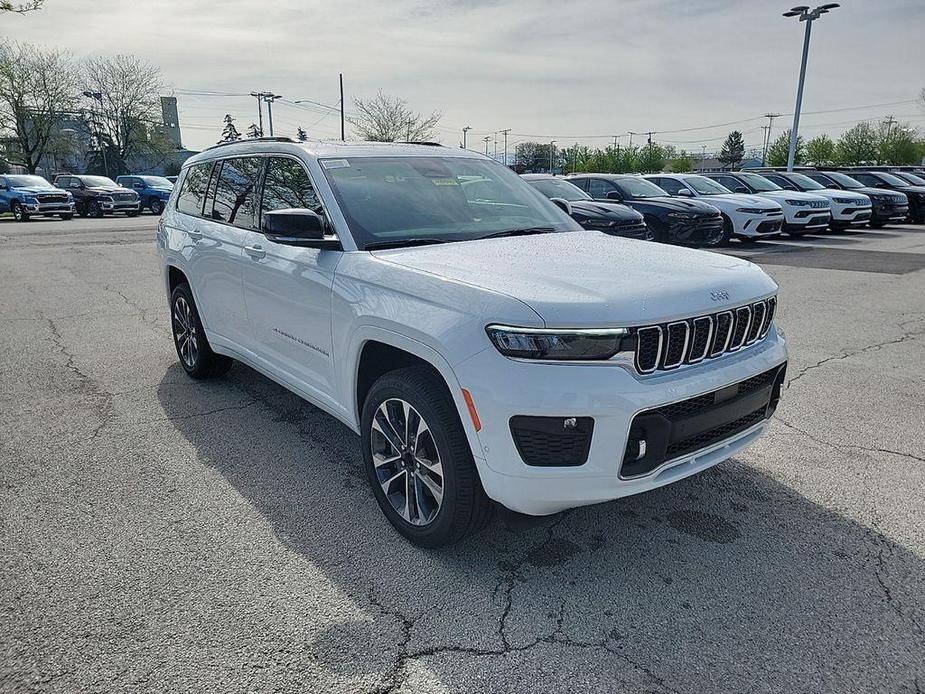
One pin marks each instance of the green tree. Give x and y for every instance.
(779, 150)
(36, 89)
(682, 163)
(390, 119)
(820, 150)
(229, 132)
(858, 145)
(20, 7)
(898, 145)
(651, 158)
(253, 131)
(301, 135)
(733, 150)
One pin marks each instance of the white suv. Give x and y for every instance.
(482, 344)
(746, 217)
(802, 212)
(849, 208)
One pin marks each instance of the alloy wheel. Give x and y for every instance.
(184, 330)
(406, 462)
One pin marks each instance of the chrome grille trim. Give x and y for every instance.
(747, 325)
(669, 345)
(698, 326)
(658, 351)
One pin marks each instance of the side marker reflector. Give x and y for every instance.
(476, 422)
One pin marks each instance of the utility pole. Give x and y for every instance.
(342, 133)
(269, 97)
(805, 15)
(486, 138)
(505, 131)
(259, 96)
(552, 148)
(410, 122)
(888, 121)
(703, 153)
(496, 145)
(466, 130)
(767, 135)
(98, 122)
(630, 146)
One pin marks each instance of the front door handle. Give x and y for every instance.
(255, 252)
(193, 234)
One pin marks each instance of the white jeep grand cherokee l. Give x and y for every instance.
(482, 344)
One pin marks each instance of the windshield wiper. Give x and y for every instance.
(525, 231)
(401, 243)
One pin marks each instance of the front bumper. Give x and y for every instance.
(120, 206)
(850, 214)
(889, 212)
(808, 220)
(613, 396)
(746, 224)
(50, 208)
(703, 229)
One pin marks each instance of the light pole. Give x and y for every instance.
(552, 148)
(505, 131)
(270, 97)
(466, 130)
(486, 138)
(259, 96)
(97, 121)
(808, 16)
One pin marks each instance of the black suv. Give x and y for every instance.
(888, 206)
(888, 181)
(671, 220)
(608, 217)
(95, 196)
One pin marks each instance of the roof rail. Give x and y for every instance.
(421, 142)
(250, 139)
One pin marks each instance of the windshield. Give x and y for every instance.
(156, 181)
(706, 186)
(760, 183)
(98, 182)
(639, 188)
(28, 182)
(892, 180)
(912, 178)
(844, 180)
(396, 199)
(556, 188)
(804, 182)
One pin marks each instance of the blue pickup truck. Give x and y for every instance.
(153, 190)
(32, 196)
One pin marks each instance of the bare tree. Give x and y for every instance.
(36, 88)
(21, 7)
(388, 119)
(124, 102)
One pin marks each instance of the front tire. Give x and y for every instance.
(157, 207)
(193, 349)
(723, 238)
(19, 214)
(94, 209)
(68, 216)
(655, 230)
(418, 460)
(133, 214)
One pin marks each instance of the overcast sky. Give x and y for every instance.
(580, 70)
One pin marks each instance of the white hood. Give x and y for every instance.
(781, 195)
(832, 193)
(585, 279)
(741, 199)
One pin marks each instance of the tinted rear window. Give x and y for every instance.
(194, 189)
(236, 192)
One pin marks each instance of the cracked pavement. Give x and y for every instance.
(161, 535)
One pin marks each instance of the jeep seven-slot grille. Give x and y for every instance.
(668, 346)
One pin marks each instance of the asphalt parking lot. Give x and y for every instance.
(169, 536)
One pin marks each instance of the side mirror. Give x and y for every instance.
(740, 189)
(614, 195)
(684, 193)
(564, 204)
(297, 227)
(139, 186)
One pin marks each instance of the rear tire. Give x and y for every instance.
(418, 396)
(189, 338)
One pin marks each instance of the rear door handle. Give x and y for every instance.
(255, 252)
(193, 234)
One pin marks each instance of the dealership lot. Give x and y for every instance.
(164, 535)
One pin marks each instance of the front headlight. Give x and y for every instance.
(846, 201)
(750, 210)
(30, 200)
(105, 198)
(798, 203)
(599, 223)
(559, 345)
(682, 215)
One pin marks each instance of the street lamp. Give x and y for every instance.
(464, 131)
(808, 16)
(552, 148)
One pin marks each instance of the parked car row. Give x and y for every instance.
(27, 196)
(713, 208)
